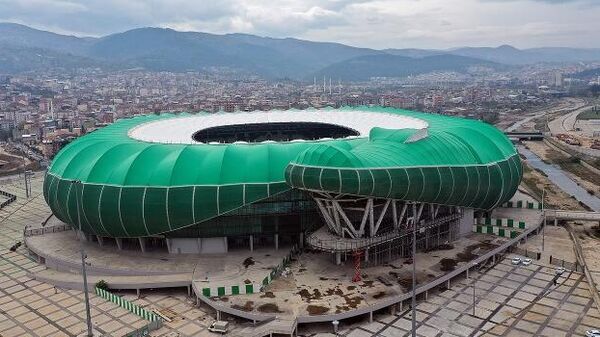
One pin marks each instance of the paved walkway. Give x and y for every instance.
(503, 307)
(32, 308)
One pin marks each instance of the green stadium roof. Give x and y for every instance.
(135, 183)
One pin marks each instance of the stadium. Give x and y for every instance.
(339, 180)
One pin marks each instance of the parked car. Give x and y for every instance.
(526, 261)
(219, 327)
(592, 333)
(560, 270)
(516, 260)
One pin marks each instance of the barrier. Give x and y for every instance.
(281, 267)
(528, 253)
(125, 304)
(249, 288)
(522, 204)
(10, 200)
(501, 222)
(495, 230)
(575, 266)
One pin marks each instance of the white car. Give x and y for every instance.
(560, 270)
(516, 260)
(526, 261)
(219, 327)
(592, 333)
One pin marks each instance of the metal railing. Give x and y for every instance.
(348, 244)
(27, 232)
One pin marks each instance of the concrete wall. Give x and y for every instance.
(465, 225)
(216, 245)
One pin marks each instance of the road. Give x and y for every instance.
(563, 106)
(566, 124)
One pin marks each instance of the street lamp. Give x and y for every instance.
(544, 212)
(474, 280)
(83, 271)
(414, 273)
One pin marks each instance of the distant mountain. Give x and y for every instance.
(364, 67)
(23, 36)
(510, 55)
(166, 49)
(23, 48)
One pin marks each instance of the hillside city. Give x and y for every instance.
(47, 110)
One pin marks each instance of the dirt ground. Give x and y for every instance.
(316, 286)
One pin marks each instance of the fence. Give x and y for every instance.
(133, 308)
(279, 268)
(249, 288)
(43, 230)
(528, 253)
(10, 200)
(574, 266)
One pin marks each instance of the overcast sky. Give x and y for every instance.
(368, 23)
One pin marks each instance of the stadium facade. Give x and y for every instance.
(340, 180)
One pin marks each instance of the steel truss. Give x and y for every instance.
(356, 217)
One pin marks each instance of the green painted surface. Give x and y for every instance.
(132, 188)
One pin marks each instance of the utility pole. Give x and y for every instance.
(414, 273)
(83, 270)
(474, 280)
(543, 211)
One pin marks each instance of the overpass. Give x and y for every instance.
(525, 135)
(557, 214)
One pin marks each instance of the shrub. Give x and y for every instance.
(102, 285)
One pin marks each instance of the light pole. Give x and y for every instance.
(544, 212)
(474, 280)
(83, 271)
(414, 273)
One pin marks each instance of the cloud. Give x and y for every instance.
(370, 23)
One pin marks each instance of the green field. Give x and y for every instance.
(590, 114)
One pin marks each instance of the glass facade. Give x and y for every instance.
(286, 213)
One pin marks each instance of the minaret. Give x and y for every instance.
(324, 84)
(330, 85)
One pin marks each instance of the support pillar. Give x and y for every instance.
(226, 244)
(371, 317)
(301, 240)
(119, 242)
(251, 242)
(168, 245)
(366, 255)
(276, 241)
(100, 240)
(338, 258)
(555, 222)
(142, 244)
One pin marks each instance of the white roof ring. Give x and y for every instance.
(179, 130)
